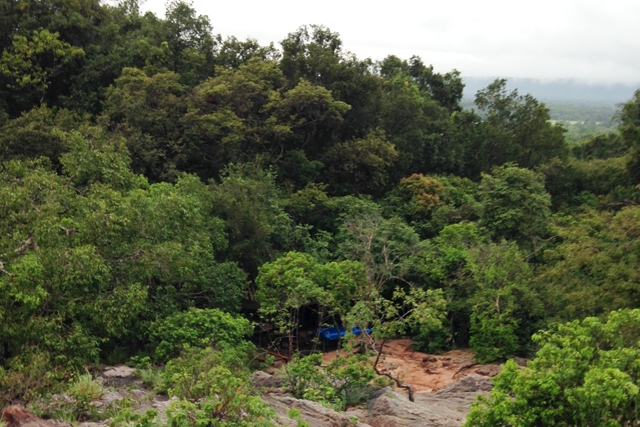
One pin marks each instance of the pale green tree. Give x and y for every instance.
(36, 61)
(585, 374)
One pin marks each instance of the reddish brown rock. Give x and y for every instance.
(17, 416)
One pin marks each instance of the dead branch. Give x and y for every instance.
(387, 373)
(281, 356)
(67, 231)
(30, 243)
(464, 367)
(2, 270)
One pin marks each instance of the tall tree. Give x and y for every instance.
(630, 130)
(528, 137)
(147, 111)
(514, 204)
(315, 53)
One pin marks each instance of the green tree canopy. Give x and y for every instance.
(528, 137)
(593, 269)
(35, 62)
(514, 204)
(90, 257)
(585, 374)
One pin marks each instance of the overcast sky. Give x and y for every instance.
(592, 40)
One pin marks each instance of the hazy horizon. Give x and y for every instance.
(558, 90)
(589, 41)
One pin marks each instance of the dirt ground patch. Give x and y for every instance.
(428, 372)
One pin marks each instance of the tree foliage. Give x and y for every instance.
(514, 204)
(585, 373)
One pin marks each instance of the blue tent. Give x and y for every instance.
(333, 334)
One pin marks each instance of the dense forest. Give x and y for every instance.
(165, 192)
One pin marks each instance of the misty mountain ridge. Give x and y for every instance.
(560, 91)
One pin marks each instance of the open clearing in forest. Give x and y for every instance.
(428, 372)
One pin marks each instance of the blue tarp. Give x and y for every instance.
(333, 334)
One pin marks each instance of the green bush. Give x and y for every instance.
(28, 378)
(344, 382)
(198, 328)
(585, 374)
(493, 338)
(84, 390)
(214, 390)
(351, 379)
(235, 407)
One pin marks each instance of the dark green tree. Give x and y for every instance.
(147, 111)
(527, 136)
(593, 269)
(514, 204)
(630, 130)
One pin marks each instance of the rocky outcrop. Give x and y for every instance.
(313, 413)
(119, 376)
(386, 408)
(469, 385)
(445, 408)
(262, 380)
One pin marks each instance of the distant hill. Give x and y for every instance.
(583, 109)
(559, 91)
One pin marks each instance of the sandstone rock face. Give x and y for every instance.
(445, 408)
(489, 370)
(313, 413)
(388, 408)
(119, 376)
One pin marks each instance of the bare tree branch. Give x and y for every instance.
(30, 243)
(387, 373)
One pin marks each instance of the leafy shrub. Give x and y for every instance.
(126, 417)
(214, 390)
(193, 375)
(344, 382)
(303, 374)
(433, 341)
(85, 390)
(29, 378)
(236, 408)
(149, 374)
(198, 328)
(493, 338)
(351, 378)
(294, 414)
(585, 374)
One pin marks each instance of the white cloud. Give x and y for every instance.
(591, 40)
